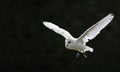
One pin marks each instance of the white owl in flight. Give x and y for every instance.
(79, 44)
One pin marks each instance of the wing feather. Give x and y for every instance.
(94, 30)
(58, 30)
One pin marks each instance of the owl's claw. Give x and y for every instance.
(84, 55)
(77, 55)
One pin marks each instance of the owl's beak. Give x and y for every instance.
(66, 46)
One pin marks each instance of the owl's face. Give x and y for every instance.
(68, 43)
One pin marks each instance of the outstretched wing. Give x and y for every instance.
(94, 30)
(58, 30)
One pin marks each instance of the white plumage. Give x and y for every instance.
(79, 43)
(58, 30)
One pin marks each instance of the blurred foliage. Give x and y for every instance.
(26, 45)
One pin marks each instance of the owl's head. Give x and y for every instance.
(68, 43)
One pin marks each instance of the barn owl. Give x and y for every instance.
(79, 44)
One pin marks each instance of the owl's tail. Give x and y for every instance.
(87, 48)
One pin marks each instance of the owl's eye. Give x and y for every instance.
(69, 42)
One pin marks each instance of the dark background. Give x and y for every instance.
(28, 46)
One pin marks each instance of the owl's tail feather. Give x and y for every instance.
(87, 48)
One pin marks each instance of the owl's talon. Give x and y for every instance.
(77, 55)
(85, 55)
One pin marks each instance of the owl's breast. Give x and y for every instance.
(76, 46)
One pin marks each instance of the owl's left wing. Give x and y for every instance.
(94, 30)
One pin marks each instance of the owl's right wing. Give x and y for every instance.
(58, 30)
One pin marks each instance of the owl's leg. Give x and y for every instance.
(83, 52)
(78, 54)
(84, 55)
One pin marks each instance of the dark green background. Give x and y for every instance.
(28, 46)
